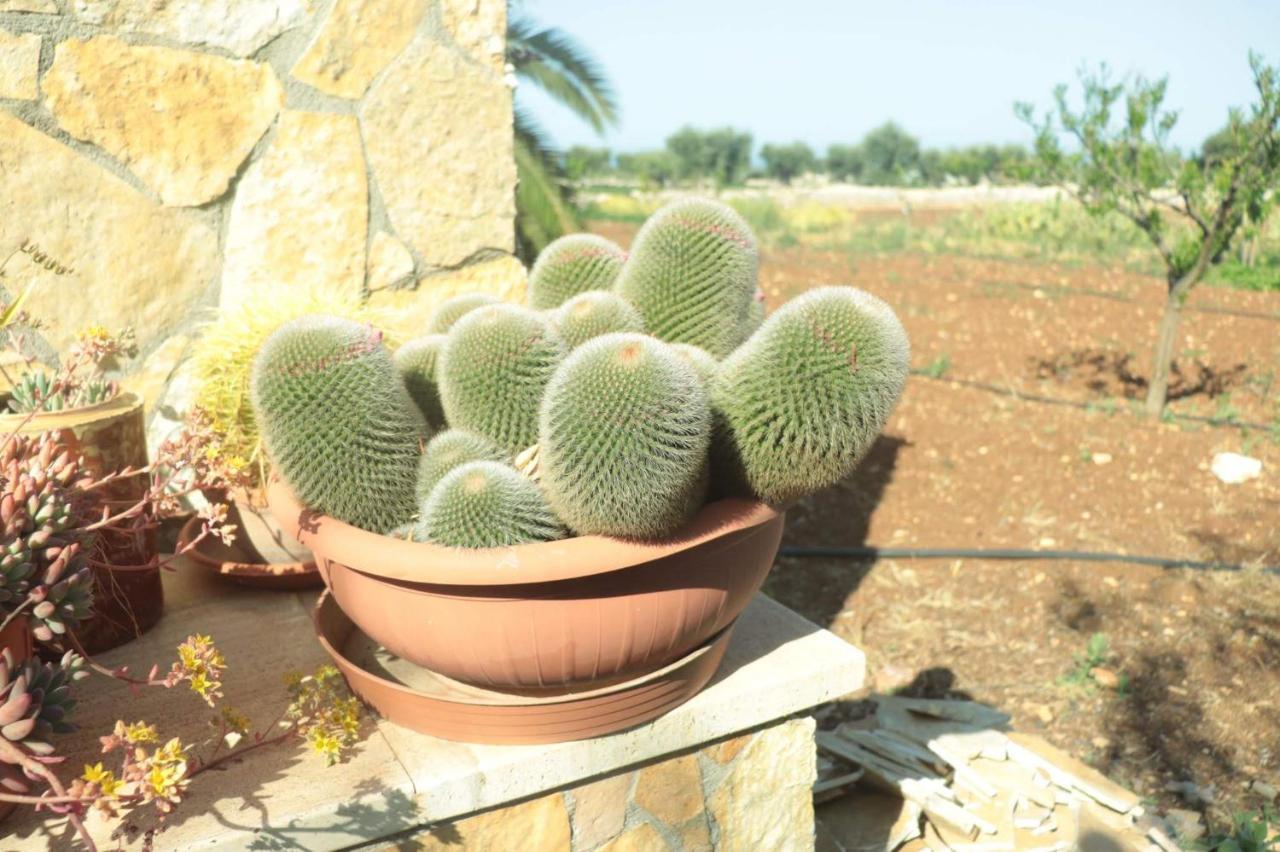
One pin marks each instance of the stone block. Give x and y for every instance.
(237, 26)
(600, 810)
(356, 41)
(19, 65)
(671, 790)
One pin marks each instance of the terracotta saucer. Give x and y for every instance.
(241, 563)
(430, 703)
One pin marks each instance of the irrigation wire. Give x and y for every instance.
(871, 552)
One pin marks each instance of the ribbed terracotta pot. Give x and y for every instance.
(586, 610)
(111, 436)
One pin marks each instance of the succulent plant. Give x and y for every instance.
(801, 402)
(594, 313)
(416, 361)
(337, 421)
(43, 552)
(623, 435)
(486, 504)
(448, 450)
(697, 358)
(493, 369)
(35, 700)
(692, 275)
(451, 310)
(573, 264)
(39, 391)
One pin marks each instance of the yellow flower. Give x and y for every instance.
(139, 732)
(104, 778)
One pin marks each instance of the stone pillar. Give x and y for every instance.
(751, 792)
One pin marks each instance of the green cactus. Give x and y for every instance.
(755, 315)
(416, 361)
(571, 265)
(697, 358)
(449, 449)
(692, 275)
(495, 364)
(592, 314)
(486, 504)
(454, 309)
(800, 403)
(623, 435)
(337, 421)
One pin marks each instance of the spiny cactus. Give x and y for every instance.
(454, 309)
(592, 314)
(571, 265)
(416, 361)
(494, 367)
(692, 275)
(450, 449)
(755, 314)
(623, 434)
(486, 504)
(697, 358)
(337, 421)
(806, 396)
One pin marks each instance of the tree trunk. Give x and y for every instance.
(1158, 390)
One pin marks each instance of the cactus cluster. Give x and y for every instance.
(337, 421)
(629, 389)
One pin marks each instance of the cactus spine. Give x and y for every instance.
(692, 275)
(416, 361)
(623, 436)
(448, 450)
(337, 422)
(494, 367)
(573, 264)
(802, 401)
(451, 310)
(592, 314)
(486, 504)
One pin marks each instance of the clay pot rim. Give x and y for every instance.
(241, 570)
(122, 402)
(542, 562)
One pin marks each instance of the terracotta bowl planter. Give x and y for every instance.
(262, 555)
(585, 610)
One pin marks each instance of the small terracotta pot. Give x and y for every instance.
(262, 555)
(111, 436)
(585, 610)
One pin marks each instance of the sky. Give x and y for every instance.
(824, 71)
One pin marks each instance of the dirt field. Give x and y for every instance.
(1185, 708)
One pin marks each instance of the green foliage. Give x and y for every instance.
(623, 437)
(544, 198)
(486, 504)
(1251, 831)
(722, 155)
(416, 363)
(890, 156)
(448, 450)
(938, 367)
(653, 168)
(38, 391)
(451, 310)
(801, 402)
(593, 314)
(581, 161)
(844, 163)
(494, 367)
(1095, 654)
(337, 421)
(692, 275)
(571, 265)
(785, 162)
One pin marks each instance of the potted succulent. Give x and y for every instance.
(570, 494)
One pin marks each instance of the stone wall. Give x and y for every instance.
(752, 792)
(161, 158)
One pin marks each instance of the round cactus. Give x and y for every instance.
(450, 449)
(337, 421)
(571, 265)
(692, 275)
(495, 364)
(416, 361)
(592, 314)
(802, 401)
(451, 310)
(486, 504)
(623, 435)
(697, 358)
(755, 315)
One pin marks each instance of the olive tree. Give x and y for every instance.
(786, 162)
(1117, 157)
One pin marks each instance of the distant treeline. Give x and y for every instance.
(886, 156)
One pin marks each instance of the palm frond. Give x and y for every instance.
(543, 201)
(554, 61)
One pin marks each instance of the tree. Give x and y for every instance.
(844, 162)
(553, 61)
(785, 162)
(1129, 166)
(581, 161)
(890, 155)
(652, 167)
(723, 154)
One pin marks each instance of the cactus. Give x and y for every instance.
(416, 361)
(486, 504)
(448, 450)
(755, 315)
(337, 421)
(495, 364)
(451, 310)
(692, 275)
(571, 265)
(592, 314)
(698, 358)
(623, 435)
(801, 402)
